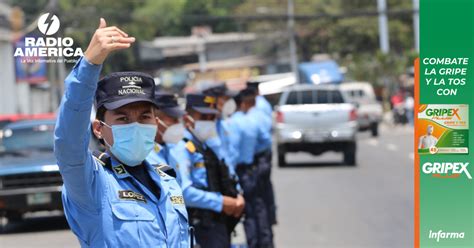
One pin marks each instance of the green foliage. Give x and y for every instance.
(353, 41)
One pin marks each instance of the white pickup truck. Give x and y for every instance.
(315, 119)
(369, 111)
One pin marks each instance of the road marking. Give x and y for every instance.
(373, 142)
(392, 147)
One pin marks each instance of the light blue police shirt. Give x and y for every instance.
(108, 207)
(244, 138)
(262, 104)
(264, 126)
(193, 177)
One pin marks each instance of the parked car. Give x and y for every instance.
(315, 119)
(369, 110)
(29, 176)
(6, 119)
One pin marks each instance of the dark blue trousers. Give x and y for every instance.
(264, 161)
(213, 236)
(257, 225)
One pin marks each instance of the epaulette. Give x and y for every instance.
(190, 145)
(168, 170)
(103, 158)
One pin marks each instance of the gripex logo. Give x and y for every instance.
(132, 87)
(37, 49)
(446, 169)
(48, 24)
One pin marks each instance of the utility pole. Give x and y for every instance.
(291, 36)
(383, 26)
(416, 24)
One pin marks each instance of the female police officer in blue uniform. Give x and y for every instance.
(116, 199)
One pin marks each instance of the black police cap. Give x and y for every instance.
(121, 88)
(204, 104)
(168, 103)
(253, 85)
(219, 90)
(245, 93)
(249, 91)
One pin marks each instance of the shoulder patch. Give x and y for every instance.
(190, 146)
(165, 170)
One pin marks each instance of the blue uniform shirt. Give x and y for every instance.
(262, 104)
(264, 127)
(227, 151)
(108, 207)
(193, 174)
(228, 134)
(161, 155)
(245, 137)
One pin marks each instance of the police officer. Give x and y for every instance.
(225, 106)
(170, 130)
(262, 111)
(207, 187)
(248, 139)
(261, 102)
(116, 198)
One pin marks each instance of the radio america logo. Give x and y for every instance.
(37, 49)
(446, 169)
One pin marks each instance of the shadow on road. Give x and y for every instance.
(290, 165)
(35, 224)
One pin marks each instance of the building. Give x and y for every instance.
(8, 101)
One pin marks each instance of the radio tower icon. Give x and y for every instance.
(48, 24)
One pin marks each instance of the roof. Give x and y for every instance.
(242, 62)
(298, 87)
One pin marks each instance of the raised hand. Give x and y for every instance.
(105, 40)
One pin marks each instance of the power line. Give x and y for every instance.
(284, 17)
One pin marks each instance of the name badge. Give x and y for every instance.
(130, 195)
(178, 200)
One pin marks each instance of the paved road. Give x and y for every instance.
(325, 204)
(322, 203)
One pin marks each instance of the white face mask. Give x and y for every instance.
(205, 130)
(228, 108)
(173, 133)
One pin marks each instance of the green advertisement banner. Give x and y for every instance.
(443, 185)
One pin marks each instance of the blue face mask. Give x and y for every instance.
(132, 142)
